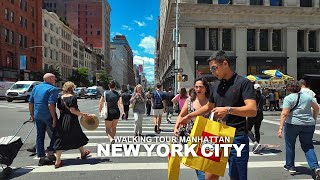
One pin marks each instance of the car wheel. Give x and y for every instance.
(9, 100)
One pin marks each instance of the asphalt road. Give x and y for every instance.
(267, 165)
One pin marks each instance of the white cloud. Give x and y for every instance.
(125, 27)
(142, 34)
(148, 44)
(148, 66)
(141, 24)
(117, 33)
(135, 52)
(150, 18)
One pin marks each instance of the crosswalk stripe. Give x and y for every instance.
(132, 127)
(134, 166)
(277, 123)
(148, 132)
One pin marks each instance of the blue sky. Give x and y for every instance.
(137, 20)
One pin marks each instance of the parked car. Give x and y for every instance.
(4, 86)
(94, 92)
(80, 92)
(21, 90)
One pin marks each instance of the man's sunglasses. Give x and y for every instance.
(213, 68)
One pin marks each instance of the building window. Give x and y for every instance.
(225, 1)
(6, 14)
(204, 1)
(33, 27)
(45, 23)
(12, 37)
(57, 55)
(275, 2)
(46, 67)
(26, 23)
(51, 39)
(45, 37)
(20, 41)
(25, 42)
(51, 27)
(300, 39)
(51, 54)
(12, 17)
(264, 40)
(98, 33)
(226, 39)
(32, 11)
(256, 2)
(276, 40)
(21, 21)
(25, 6)
(251, 40)
(20, 4)
(305, 3)
(54, 5)
(312, 41)
(12, 1)
(200, 38)
(6, 35)
(213, 39)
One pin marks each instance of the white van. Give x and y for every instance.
(4, 86)
(21, 90)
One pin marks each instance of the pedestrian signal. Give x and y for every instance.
(179, 77)
(184, 77)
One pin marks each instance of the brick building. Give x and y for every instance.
(20, 36)
(89, 20)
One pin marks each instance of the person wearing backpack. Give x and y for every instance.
(158, 100)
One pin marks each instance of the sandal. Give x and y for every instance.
(56, 166)
(86, 153)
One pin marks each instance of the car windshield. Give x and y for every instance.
(77, 89)
(92, 90)
(22, 87)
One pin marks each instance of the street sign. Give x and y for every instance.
(182, 45)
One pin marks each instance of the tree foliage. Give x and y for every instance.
(80, 77)
(38, 76)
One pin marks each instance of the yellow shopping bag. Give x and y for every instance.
(173, 166)
(208, 128)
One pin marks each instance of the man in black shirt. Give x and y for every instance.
(231, 100)
(126, 96)
(169, 97)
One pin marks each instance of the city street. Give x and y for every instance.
(267, 165)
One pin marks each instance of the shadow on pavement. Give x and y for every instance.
(301, 170)
(78, 161)
(21, 171)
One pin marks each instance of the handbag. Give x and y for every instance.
(173, 166)
(204, 127)
(104, 110)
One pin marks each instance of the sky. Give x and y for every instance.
(137, 20)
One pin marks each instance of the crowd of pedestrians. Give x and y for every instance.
(234, 100)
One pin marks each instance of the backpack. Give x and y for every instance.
(157, 100)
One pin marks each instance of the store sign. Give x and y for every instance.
(23, 62)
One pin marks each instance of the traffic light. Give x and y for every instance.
(184, 77)
(179, 77)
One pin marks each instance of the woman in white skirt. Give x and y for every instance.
(138, 102)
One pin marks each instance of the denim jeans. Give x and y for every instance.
(42, 125)
(305, 134)
(238, 166)
(200, 175)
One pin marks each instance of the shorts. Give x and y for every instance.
(157, 112)
(112, 116)
(238, 166)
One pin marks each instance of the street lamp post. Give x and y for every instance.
(177, 62)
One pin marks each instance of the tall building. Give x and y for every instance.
(90, 21)
(123, 55)
(256, 35)
(57, 45)
(20, 39)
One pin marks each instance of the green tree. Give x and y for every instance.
(103, 80)
(80, 77)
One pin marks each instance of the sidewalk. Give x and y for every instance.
(273, 113)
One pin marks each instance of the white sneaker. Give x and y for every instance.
(256, 148)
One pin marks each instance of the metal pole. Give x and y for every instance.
(177, 63)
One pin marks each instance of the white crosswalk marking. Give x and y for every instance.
(125, 128)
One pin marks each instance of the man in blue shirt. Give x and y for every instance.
(42, 108)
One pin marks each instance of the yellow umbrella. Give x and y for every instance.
(253, 78)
